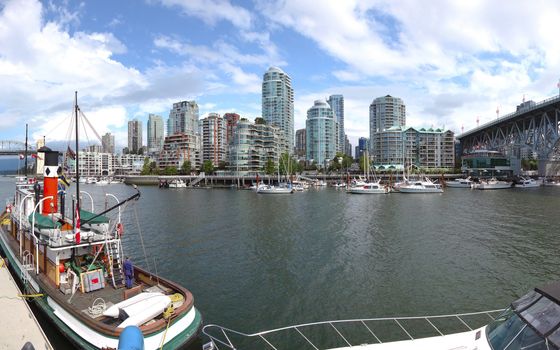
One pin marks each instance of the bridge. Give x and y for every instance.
(13, 148)
(533, 129)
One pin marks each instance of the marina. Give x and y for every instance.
(363, 256)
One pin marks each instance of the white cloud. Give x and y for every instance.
(448, 60)
(211, 11)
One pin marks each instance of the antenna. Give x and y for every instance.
(477, 121)
(462, 129)
(497, 112)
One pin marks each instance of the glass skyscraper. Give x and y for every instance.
(321, 137)
(155, 133)
(337, 105)
(278, 105)
(183, 118)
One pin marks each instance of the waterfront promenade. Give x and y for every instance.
(17, 323)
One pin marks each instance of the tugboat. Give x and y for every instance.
(72, 261)
(531, 322)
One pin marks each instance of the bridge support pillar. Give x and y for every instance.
(548, 167)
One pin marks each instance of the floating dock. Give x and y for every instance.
(18, 325)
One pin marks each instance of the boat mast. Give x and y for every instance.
(77, 151)
(25, 171)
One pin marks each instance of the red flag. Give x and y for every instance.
(77, 227)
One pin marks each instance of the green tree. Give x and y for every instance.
(363, 162)
(269, 167)
(186, 167)
(208, 167)
(347, 162)
(260, 120)
(222, 165)
(170, 170)
(146, 167)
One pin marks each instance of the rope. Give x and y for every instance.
(141, 238)
(164, 334)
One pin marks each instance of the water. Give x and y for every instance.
(256, 262)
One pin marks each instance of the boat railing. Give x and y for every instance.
(348, 333)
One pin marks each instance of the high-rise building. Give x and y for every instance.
(321, 134)
(254, 144)
(183, 118)
(278, 105)
(134, 136)
(337, 105)
(108, 143)
(404, 146)
(155, 133)
(231, 121)
(361, 148)
(213, 139)
(300, 143)
(347, 146)
(178, 148)
(384, 113)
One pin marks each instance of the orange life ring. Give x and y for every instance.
(120, 229)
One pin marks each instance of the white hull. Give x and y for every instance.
(373, 189)
(408, 189)
(275, 190)
(500, 186)
(457, 341)
(453, 184)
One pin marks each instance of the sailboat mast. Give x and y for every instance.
(77, 151)
(26, 130)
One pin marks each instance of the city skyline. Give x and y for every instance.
(450, 62)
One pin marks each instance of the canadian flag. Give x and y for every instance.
(77, 227)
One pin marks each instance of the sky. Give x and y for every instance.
(452, 62)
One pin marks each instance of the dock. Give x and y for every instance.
(18, 325)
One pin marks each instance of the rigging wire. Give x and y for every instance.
(141, 238)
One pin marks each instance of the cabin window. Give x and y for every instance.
(509, 331)
(544, 315)
(526, 300)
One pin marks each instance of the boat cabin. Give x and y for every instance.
(531, 322)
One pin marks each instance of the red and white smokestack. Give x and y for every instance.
(50, 180)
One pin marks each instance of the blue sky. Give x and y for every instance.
(450, 61)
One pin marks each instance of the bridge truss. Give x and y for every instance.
(10, 147)
(534, 129)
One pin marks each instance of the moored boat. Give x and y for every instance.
(528, 183)
(368, 188)
(530, 322)
(493, 184)
(72, 261)
(420, 186)
(269, 189)
(460, 183)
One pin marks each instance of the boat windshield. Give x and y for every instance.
(531, 323)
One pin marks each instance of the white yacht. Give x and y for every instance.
(269, 189)
(531, 322)
(368, 188)
(493, 184)
(177, 183)
(460, 183)
(528, 183)
(420, 186)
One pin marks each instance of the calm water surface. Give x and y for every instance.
(256, 262)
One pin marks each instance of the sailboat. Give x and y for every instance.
(285, 188)
(73, 266)
(367, 186)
